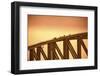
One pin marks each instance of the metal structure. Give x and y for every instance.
(35, 51)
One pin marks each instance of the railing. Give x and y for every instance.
(36, 50)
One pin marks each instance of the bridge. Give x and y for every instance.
(36, 50)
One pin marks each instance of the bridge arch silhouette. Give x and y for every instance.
(36, 50)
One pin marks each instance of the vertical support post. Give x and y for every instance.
(54, 54)
(84, 47)
(38, 53)
(78, 48)
(31, 51)
(51, 50)
(65, 49)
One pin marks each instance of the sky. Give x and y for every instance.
(42, 28)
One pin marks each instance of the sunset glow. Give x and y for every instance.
(43, 28)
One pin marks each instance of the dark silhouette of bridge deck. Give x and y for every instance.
(53, 49)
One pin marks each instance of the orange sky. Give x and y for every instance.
(54, 26)
(42, 28)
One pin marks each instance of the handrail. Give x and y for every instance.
(70, 37)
